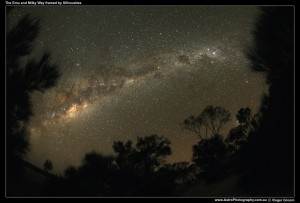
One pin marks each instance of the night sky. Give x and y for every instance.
(131, 71)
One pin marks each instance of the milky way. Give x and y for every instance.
(131, 71)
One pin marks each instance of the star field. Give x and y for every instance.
(131, 71)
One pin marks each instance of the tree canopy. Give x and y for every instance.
(209, 121)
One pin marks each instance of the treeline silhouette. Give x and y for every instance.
(141, 170)
(260, 148)
(134, 171)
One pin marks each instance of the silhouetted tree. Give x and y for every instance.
(96, 174)
(151, 151)
(244, 116)
(211, 149)
(93, 178)
(125, 154)
(211, 120)
(196, 125)
(127, 177)
(215, 118)
(48, 165)
(270, 152)
(238, 136)
(22, 78)
(209, 155)
(137, 166)
(19, 43)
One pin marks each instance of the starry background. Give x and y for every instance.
(131, 71)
